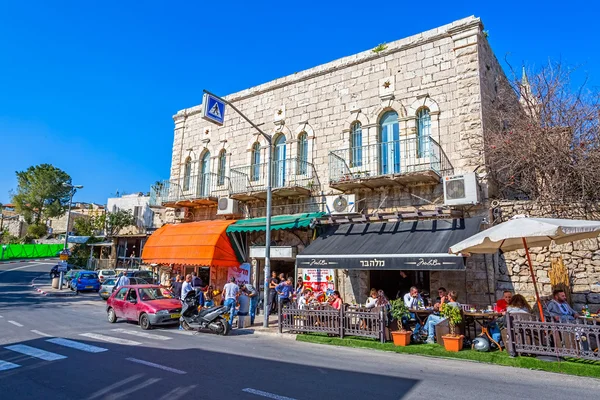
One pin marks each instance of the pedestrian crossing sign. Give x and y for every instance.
(213, 109)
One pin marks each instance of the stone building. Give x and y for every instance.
(383, 126)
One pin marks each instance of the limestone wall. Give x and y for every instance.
(581, 258)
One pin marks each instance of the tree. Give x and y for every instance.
(543, 139)
(40, 193)
(113, 222)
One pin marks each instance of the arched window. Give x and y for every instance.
(423, 132)
(389, 143)
(205, 174)
(221, 168)
(279, 164)
(255, 162)
(356, 145)
(187, 172)
(302, 154)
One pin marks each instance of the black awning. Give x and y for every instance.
(415, 245)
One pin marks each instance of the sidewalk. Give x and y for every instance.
(43, 285)
(257, 328)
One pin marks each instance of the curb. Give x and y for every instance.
(44, 293)
(261, 332)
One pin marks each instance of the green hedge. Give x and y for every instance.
(18, 251)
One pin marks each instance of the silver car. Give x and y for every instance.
(108, 285)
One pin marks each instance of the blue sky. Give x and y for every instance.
(91, 86)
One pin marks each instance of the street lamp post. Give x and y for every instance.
(71, 193)
(269, 140)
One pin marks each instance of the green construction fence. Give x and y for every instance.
(18, 251)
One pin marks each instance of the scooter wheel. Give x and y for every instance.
(186, 326)
(224, 327)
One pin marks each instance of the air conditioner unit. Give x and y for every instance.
(461, 189)
(227, 206)
(180, 213)
(341, 204)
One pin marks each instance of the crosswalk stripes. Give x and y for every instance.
(4, 365)
(110, 339)
(141, 334)
(35, 352)
(77, 345)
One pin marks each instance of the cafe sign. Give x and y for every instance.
(431, 262)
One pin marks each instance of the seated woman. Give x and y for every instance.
(337, 300)
(372, 299)
(517, 305)
(209, 297)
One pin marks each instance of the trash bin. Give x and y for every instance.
(55, 282)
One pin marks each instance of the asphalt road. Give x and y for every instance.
(99, 360)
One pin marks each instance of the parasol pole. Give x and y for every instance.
(537, 294)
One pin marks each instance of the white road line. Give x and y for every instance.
(112, 387)
(151, 364)
(4, 365)
(141, 334)
(266, 394)
(110, 339)
(37, 353)
(188, 333)
(177, 393)
(23, 267)
(40, 333)
(15, 323)
(77, 345)
(1, 316)
(133, 389)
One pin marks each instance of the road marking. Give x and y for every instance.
(141, 334)
(1, 316)
(15, 324)
(23, 267)
(188, 333)
(4, 365)
(133, 389)
(110, 339)
(266, 394)
(77, 345)
(112, 387)
(37, 353)
(151, 364)
(177, 393)
(40, 333)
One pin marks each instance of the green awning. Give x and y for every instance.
(290, 221)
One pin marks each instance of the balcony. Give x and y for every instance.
(398, 163)
(291, 177)
(192, 191)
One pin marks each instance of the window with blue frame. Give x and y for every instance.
(302, 153)
(423, 132)
(389, 144)
(221, 169)
(356, 145)
(187, 172)
(255, 163)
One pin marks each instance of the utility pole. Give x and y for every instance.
(72, 192)
(269, 140)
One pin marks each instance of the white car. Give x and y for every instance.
(104, 274)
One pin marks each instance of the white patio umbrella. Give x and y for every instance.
(523, 232)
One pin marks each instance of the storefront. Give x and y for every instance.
(374, 254)
(202, 247)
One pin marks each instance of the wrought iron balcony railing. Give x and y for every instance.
(406, 160)
(189, 190)
(290, 177)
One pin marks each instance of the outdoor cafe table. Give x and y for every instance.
(421, 314)
(483, 319)
(590, 320)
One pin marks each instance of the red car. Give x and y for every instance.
(147, 304)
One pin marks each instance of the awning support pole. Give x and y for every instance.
(537, 294)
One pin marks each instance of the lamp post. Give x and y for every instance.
(71, 193)
(269, 140)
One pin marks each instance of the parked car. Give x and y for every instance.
(105, 274)
(149, 305)
(85, 280)
(108, 285)
(146, 275)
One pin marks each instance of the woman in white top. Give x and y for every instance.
(372, 299)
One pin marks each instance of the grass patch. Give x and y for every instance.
(571, 367)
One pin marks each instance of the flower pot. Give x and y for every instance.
(401, 338)
(453, 343)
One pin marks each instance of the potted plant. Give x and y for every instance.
(452, 341)
(399, 311)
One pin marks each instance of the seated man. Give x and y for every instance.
(559, 309)
(442, 298)
(501, 304)
(413, 300)
(433, 320)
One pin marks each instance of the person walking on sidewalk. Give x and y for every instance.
(230, 292)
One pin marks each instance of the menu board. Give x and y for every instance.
(318, 279)
(241, 273)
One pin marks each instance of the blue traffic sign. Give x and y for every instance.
(213, 109)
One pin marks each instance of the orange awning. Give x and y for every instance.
(202, 243)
